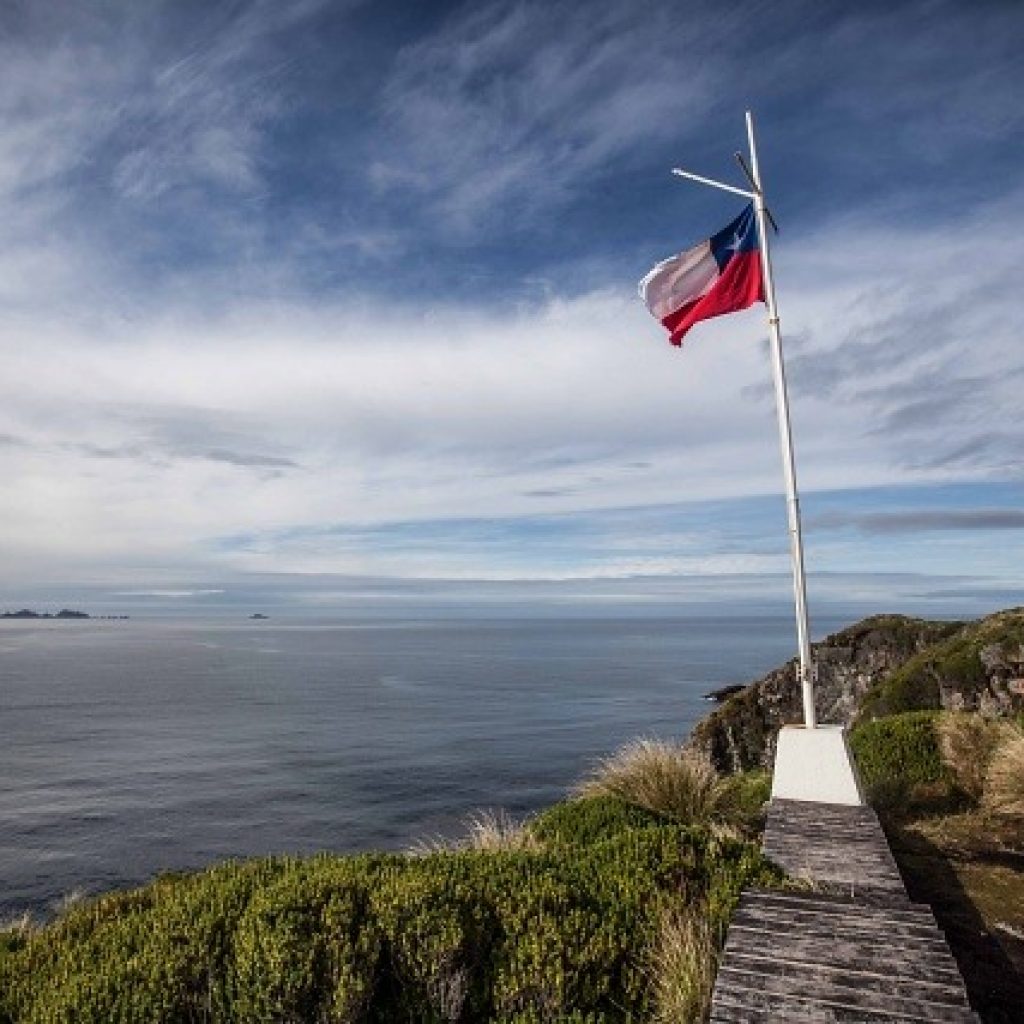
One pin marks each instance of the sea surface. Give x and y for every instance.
(131, 748)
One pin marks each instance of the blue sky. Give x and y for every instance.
(301, 298)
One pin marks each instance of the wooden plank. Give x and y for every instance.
(736, 1009)
(883, 964)
(785, 1003)
(829, 903)
(810, 976)
(857, 949)
(781, 923)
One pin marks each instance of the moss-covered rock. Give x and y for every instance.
(979, 668)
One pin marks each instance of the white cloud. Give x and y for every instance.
(279, 424)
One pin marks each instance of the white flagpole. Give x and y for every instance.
(786, 441)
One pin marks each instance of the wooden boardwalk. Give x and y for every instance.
(854, 949)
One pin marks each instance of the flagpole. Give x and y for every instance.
(786, 442)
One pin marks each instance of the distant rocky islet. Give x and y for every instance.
(64, 613)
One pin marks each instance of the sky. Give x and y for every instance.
(331, 306)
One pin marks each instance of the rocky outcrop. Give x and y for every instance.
(978, 668)
(740, 735)
(881, 666)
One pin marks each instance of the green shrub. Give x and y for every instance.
(306, 946)
(589, 820)
(745, 795)
(554, 934)
(899, 759)
(157, 953)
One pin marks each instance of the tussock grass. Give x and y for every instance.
(681, 965)
(1004, 781)
(967, 742)
(68, 901)
(495, 831)
(665, 778)
(486, 831)
(17, 928)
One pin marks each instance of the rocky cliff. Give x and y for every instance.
(883, 665)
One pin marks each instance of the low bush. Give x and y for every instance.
(589, 820)
(744, 797)
(667, 779)
(899, 760)
(554, 934)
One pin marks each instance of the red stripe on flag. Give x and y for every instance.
(740, 286)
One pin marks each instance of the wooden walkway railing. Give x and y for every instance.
(851, 949)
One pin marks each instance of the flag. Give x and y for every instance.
(721, 275)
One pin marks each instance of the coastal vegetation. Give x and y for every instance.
(598, 910)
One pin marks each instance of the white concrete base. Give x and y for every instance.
(815, 764)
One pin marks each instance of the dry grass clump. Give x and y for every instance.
(20, 927)
(498, 830)
(1004, 782)
(488, 831)
(967, 742)
(681, 966)
(661, 777)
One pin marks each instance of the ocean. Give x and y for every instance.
(130, 748)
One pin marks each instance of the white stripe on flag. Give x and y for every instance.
(679, 280)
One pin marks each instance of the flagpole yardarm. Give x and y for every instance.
(711, 181)
(786, 442)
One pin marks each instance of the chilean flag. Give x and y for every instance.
(721, 275)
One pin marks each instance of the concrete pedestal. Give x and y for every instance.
(815, 764)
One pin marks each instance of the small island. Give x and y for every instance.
(64, 613)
